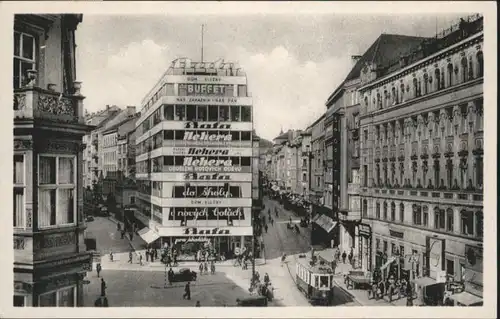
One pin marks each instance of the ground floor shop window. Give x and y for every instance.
(450, 267)
(65, 297)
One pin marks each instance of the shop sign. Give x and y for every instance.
(207, 125)
(210, 191)
(206, 213)
(207, 137)
(196, 167)
(207, 231)
(207, 151)
(203, 232)
(208, 100)
(396, 234)
(207, 177)
(204, 89)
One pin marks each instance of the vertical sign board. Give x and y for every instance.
(336, 163)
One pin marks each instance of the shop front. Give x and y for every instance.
(220, 241)
(472, 279)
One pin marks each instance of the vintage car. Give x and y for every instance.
(259, 301)
(183, 274)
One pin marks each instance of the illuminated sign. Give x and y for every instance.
(204, 202)
(210, 192)
(207, 125)
(203, 89)
(207, 137)
(208, 213)
(207, 177)
(204, 161)
(213, 169)
(203, 232)
(206, 151)
(208, 100)
(231, 144)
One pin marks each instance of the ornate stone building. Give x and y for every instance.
(50, 258)
(421, 125)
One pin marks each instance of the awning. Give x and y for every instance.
(467, 299)
(275, 188)
(325, 222)
(148, 235)
(389, 261)
(424, 281)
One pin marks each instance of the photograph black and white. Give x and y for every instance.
(250, 159)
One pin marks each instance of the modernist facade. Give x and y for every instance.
(421, 140)
(195, 157)
(50, 257)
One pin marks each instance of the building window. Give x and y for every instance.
(450, 220)
(19, 186)
(450, 74)
(385, 246)
(401, 212)
(438, 80)
(393, 248)
(449, 172)
(467, 222)
(479, 224)
(242, 90)
(450, 267)
(56, 190)
(377, 211)
(480, 64)
(24, 57)
(439, 219)
(436, 173)
(425, 216)
(19, 301)
(365, 208)
(393, 211)
(426, 83)
(479, 172)
(377, 244)
(464, 69)
(417, 215)
(385, 210)
(65, 297)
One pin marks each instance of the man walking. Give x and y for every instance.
(187, 292)
(344, 255)
(140, 259)
(130, 257)
(98, 269)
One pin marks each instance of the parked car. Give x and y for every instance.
(89, 218)
(184, 274)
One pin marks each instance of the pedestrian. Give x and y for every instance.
(187, 292)
(350, 257)
(140, 259)
(103, 287)
(409, 295)
(111, 257)
(147, 255)
(344, 255)
(170, 276)
(265, 228)
(130, 257)
(198, 304)
(122, 232)
(156, 253)
(98, 269)
(201, 268)
(168, 260)
(212, 267)
(152, 255)
(205, 267)
(271, 220)
(131, 235)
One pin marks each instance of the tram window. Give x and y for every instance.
(323, 281)
(331, 281)
(316, 281)
(191, 113)
(213, 113)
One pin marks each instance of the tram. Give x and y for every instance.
(315, 280)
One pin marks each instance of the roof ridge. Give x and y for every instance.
(377, 44)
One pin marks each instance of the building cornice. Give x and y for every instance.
(424, 62)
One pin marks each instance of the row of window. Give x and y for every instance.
(423, 85)
(158, 140)
(471, 223)
(56, 190)
(418, 177)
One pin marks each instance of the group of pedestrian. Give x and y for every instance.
(151, 254)
(204, 267)
(169, 256)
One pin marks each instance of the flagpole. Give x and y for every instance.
(202, 29)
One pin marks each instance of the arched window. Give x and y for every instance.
(439, 218)
(402, 88)
(385, 210)
(425, 216)
(379, 101)
(480, 65)
(417, 215)
(365, 208)
(450, 74)
(415, 87)
(377, 211)
(464, 69)
(466, 222)
(386, 99)
(426, 83)
(438, 79)
(450, 220)
(393, 212)
(402, 212)
(394, 96)
(443, 84)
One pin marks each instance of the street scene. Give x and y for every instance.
(249, 161)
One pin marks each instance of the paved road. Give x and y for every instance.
(108, 238)
(279, 239)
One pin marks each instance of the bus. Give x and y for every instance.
(315, 280)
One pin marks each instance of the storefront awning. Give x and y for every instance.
(325, 222)
(467, 299)
(148, 235)
(275, 188)
(424, 281)
(389, 261)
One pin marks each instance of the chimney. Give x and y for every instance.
(107, 107)
(130, 109)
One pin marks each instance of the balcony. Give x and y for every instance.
(34, 103)
(353, 189)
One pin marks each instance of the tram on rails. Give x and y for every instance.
(315, 280)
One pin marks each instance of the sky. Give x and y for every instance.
(293, 62)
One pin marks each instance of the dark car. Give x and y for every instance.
(183, 274)
(260, 301)
(89, 218)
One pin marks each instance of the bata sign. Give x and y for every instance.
(203, 232)
(207, 231)
(207, 126)
(207, 177)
